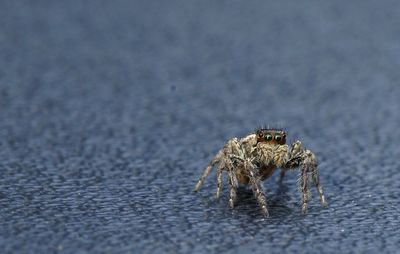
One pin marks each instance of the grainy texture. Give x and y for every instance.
(110, 109)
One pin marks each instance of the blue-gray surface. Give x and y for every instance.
(111, 109)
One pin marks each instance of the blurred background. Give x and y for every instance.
(110, 111)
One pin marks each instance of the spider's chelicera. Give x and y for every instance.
(254, 158)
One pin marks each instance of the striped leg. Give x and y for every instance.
(305, 192)
(256, 187)
(208, 169)
(233, 184)
(219, 182)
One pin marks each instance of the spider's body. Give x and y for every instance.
(254, 158)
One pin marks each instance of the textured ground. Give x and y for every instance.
(110, 110)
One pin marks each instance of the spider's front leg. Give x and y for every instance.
(299, 156)
(255, 182)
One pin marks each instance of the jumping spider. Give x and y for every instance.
(254, 158)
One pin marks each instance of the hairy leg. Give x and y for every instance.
(299, 156)
(305, 192)
(233, 184)
(222, 157)
(208, 169)
(296, 150)
(294, 158)
(311, 163)
(219, 181)
(315, 177)
(256, 187)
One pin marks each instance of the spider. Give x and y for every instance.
(255, 158)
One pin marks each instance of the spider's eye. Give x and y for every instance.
(278, 138)
(268, 137)
(260, 134)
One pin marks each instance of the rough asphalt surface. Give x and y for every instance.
(110, 111)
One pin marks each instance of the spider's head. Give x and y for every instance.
(271, 136)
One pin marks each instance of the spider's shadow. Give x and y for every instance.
(277, 201)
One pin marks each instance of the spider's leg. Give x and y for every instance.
(219, 181)
(256, 186)
(295, 160)
(305, 197)
(315, 176)
(232, 146)
(234, 184)
(299, 156)
(227, 164)
(208, 169)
